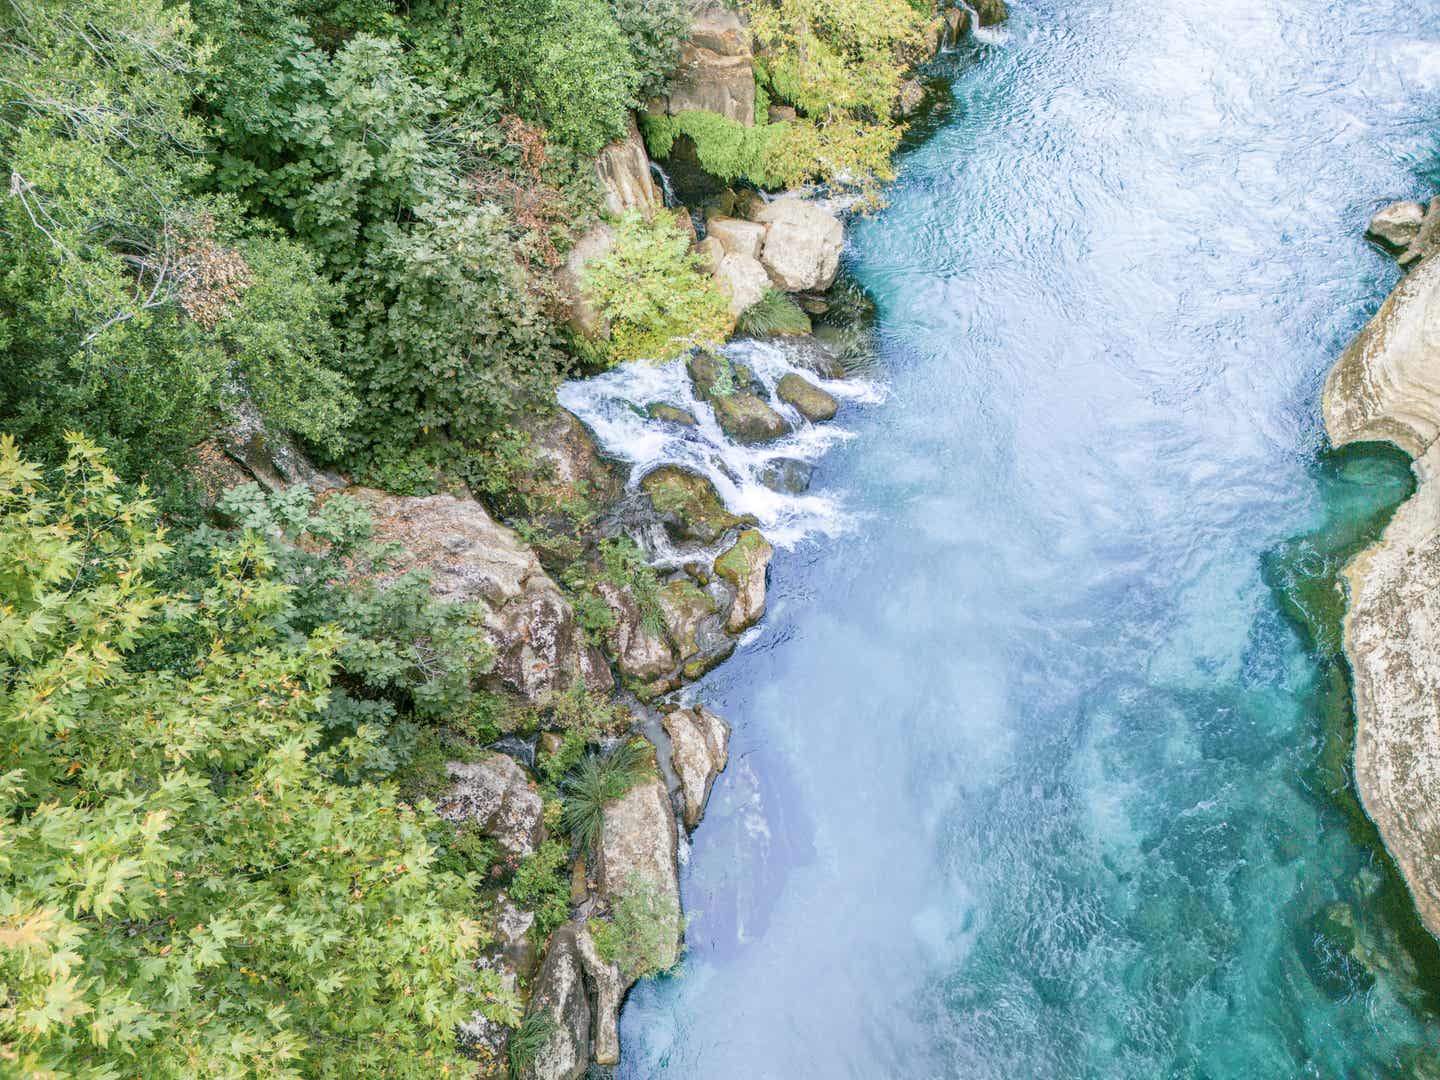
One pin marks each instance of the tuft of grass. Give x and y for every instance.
(595, 781)
(774, 313)
(525, 1045)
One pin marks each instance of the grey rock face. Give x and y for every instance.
(715, 72)
(802, 244)
(743, 279)
(638, 846)
(497, 795)
(737, 236)
(640, 652)
(539, 648)
(699, 751)
(610, 987)
(624, 171)
(744, 566)
(747, 419)
(789, 475)
(597, 242)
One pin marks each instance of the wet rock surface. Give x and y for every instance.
(813, 403)
(699, 752)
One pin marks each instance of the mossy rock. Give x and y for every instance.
(686, 606)
(747, 419)
(670, 414)
(809, 400)
(690, 502)
(744, 566)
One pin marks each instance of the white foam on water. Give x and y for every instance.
(613, 407)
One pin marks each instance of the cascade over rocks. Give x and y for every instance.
(699, 751)
(498, 796)
(539, 647)
(1386, 386)
(689, 504)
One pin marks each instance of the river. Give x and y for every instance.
(1028, 775)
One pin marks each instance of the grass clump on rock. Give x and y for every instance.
(596, 781)
(776, 313)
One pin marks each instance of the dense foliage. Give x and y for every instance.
(184, 890)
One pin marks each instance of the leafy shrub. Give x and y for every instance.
(596, 781)
(654, 29)
(626, 567)
(185, 892)
(641, 932)
(654, 293)
(540, 885)
(774, 313)
(727, 149)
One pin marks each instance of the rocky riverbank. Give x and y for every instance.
(1386, 387)
(643, 632)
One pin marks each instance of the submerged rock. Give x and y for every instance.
(689, 504)
(496, 794)
(812, 403)
(790, 476)
(671, 414)
(539, 647)
(802, 244)
(699, 751)
(1396, 225)
(744, 566)
(559, 992)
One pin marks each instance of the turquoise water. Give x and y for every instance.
(1031, 775)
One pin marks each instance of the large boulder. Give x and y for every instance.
(637, 849)
(559, 993)
(808, 399)
(272, 459)
(699, 751)
(737, 236)
(499, 798)
(1386, 384)
(715, 72)
(511, 956)
(744, 566)
(1396, 225)
(539, 648)
(687, 609)
(743, 280)
(991, 12)
(802, 244)
(625, 180)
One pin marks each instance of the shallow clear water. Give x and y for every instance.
(1029, 773)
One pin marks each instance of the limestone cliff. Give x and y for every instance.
(1386, 386)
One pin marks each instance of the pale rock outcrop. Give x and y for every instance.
(737, 236)
(539, 648)
(699, 751)
(711, 253)
(637, 849)
(1426, 237)
(715, 72)
(1386, 386)
(560, 992)
(610, 986)
(743, 279)
(598, 241)
(496, 794)
(640, 652)
(744, 566)
(624, 171)
(802, 244)
(1396, 225)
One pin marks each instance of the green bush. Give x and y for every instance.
(541, 885)
(654, 293)
(183, 892)
(597, 780)
(775, 313)
(654, 29)
(641, 932)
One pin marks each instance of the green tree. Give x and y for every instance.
(183, 892)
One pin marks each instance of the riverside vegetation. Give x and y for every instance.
(286, 290)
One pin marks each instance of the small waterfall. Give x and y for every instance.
(667, 193)
(989, 35)
(613, 406)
